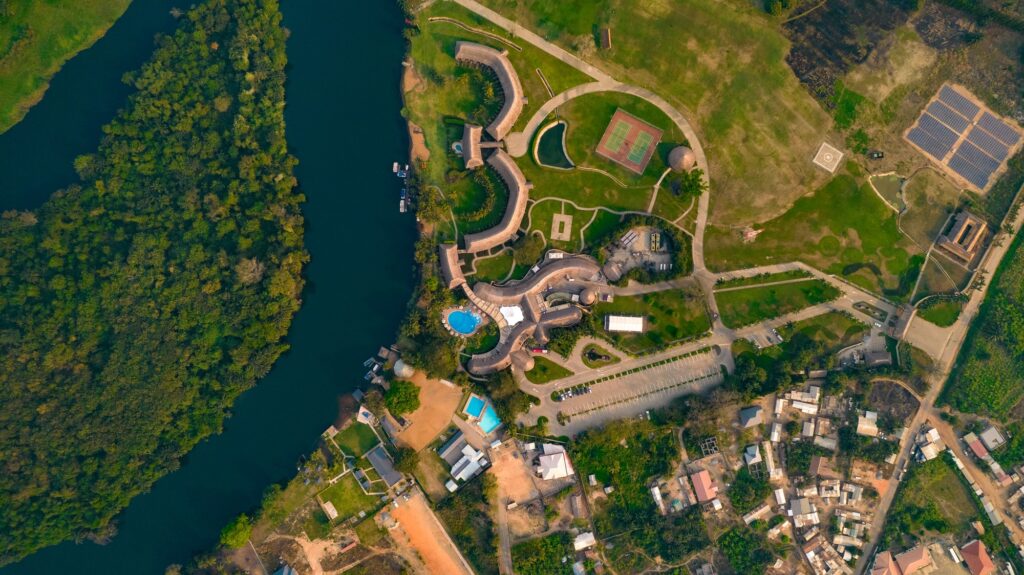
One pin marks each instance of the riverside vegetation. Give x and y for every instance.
(138, 303)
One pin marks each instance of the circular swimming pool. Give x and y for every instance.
(463, 321)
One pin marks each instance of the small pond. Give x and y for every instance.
(550, 147)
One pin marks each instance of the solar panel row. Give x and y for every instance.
(958, 102)
(986, 142)
(948, 117)
(969, 171)
(942, 134)
(997, 128)
(927, 143)
(977, 157)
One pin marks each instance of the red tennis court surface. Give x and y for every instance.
(629, 141)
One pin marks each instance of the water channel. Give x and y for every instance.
(343, 124)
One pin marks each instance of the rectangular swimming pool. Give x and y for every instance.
(490, 420)
(475, 406)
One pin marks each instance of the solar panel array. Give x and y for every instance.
(981, 144)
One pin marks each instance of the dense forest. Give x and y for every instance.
(138, 303)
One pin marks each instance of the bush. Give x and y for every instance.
(403, 397)
(237, 533)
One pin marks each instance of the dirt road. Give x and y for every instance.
(421, 529)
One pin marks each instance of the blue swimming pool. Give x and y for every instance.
(464, 322)
(490, 420)
(475, 406)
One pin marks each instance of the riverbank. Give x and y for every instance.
(37, 38)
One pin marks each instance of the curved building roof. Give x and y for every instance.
(518, 194)
(576, 267)
(471, 134)
(450, 268)
(510, 86)
(501, 356)
(682, 159)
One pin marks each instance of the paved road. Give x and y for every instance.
(945, 360)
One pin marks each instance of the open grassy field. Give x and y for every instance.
(762, 279)
(37, 37)
(843, 228)
(759, 127)
(348, 498)
(988, 378)
(356, 439)
(494, 268)
(545, 370)
(932, 490)
(671, 316)
(835, 330)
(751, 305)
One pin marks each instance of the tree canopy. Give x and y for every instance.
(403, 397)
(138, 303)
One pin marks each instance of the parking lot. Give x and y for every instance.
(644, 389)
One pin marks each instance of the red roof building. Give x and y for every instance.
(913, 560)
(703, 486)
(977, 559)
(976, 446)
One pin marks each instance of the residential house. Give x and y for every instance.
(554, 464)
(751, 416)
(977, 559)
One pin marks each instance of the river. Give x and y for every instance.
(343, 124)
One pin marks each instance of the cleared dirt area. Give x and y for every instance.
(899, 59)
(420, 530)
(893, 400)
(527, 521)
(513, 475)
(438, 402)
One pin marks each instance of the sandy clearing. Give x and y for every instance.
(424, 533)
(438, 402)
(513, 475)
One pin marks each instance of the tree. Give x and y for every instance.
(406, 460)
(403, 397)
(237, 533)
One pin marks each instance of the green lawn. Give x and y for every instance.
(37, 37)
(843, 228)
(545, 370)
(494, 269)
(835, 330)
(356, 439)
(348, 498)
(942, 313)
(670, 316)
(755, 304)
(759, 126)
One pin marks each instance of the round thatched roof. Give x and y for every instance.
(588, 296)
(523, 360)
(681, 159)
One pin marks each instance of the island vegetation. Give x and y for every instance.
(139, 302)
(36, 38)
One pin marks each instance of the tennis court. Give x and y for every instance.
(629, 141)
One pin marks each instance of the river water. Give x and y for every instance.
(343, 124)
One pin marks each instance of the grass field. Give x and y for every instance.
(843, 229)
(755, 304)
(356, 439)
(835, 330)
(545, 370)
(36, 38)
(348, 498)
(670, 316)
(758, 125)
(943, 313)
(495, 268)
(933, 486)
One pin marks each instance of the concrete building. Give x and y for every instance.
(977, 559)
(867, 424)
(554, 464)
(703, 486)
(965, 238)
(751, 416)
(992, 438)
(624, 323)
